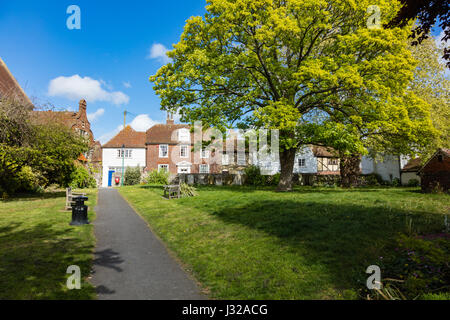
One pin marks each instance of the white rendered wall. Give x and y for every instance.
(110, 159)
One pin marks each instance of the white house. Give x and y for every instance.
(126, 149)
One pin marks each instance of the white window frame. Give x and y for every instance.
(225, 159)
(302, 162)
(204, 154)
(163, 165)
(160, 151)
(203, 166)
(241, 159)
(184, 146)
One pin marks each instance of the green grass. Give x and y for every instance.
(314, 243)
(37, 245)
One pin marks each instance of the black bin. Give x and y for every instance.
(79, 211)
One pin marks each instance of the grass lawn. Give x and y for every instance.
(37, 245)
(313, 243)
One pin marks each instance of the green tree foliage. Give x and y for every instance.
(132, 176)
(431, 84)
(157, 177)
(310, 68)
(80, 178)
(46, 147)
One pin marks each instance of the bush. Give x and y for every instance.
(156, 177)
(187, 190)
(81, 178)
(132, 176)
(413, 183)
(253, 176)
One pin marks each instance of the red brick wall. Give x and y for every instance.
(436, 172)
(173, 158)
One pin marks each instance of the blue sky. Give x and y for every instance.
(110, 54)
(108, 61)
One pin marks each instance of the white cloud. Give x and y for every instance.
(93, 116)
(439, 42)
(76, 87)
(126, 84)
(142, 122)
(159, 52)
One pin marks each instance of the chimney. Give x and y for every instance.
(82, 107)
(169, 119)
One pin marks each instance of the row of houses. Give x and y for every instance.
(169, 147)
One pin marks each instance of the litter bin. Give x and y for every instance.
(79, 211)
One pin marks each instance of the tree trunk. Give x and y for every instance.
(349, 167)
(287, 159)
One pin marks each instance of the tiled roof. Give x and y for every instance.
(10, 87)
(412, 165)
(165, 133)
(128, 137)
(326, 152)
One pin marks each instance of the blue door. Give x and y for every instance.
(110, 174)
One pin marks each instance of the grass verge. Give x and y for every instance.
(314, 243)
(37, 245)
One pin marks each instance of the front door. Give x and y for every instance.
(110, 175)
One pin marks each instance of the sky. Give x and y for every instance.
(108, 61)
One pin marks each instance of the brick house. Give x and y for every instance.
(170, 147)
(435, 173)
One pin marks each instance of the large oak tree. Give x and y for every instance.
(314, 69)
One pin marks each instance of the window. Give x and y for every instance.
(225, 159)
(301, 162)
(241, 158)
(333, 162)
(205, 154)
(440, 158)
(163, 150)
(163, 167)
(126, 152)
(184, 135)
(184, 152)
(204, 168)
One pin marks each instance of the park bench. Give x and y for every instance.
(69, 198)
(172, 191)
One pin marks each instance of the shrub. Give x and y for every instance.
(413, 183)
(132, 176)
(253, 176)
(396, 182)
(81, 178)
(187, 190)
(156, 177)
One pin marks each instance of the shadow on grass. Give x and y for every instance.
(35, 196)
(34, 262)
(345, 239)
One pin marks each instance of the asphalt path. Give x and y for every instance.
(130, 262)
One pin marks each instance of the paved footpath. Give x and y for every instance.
(130, 262)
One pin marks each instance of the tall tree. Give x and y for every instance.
(310, 68)
(433, 86)
(427, 12)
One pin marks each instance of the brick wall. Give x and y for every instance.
(436, 174)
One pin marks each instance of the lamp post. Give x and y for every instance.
(123, 162)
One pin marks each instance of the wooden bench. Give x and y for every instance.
(172, 191)
(69, 198)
